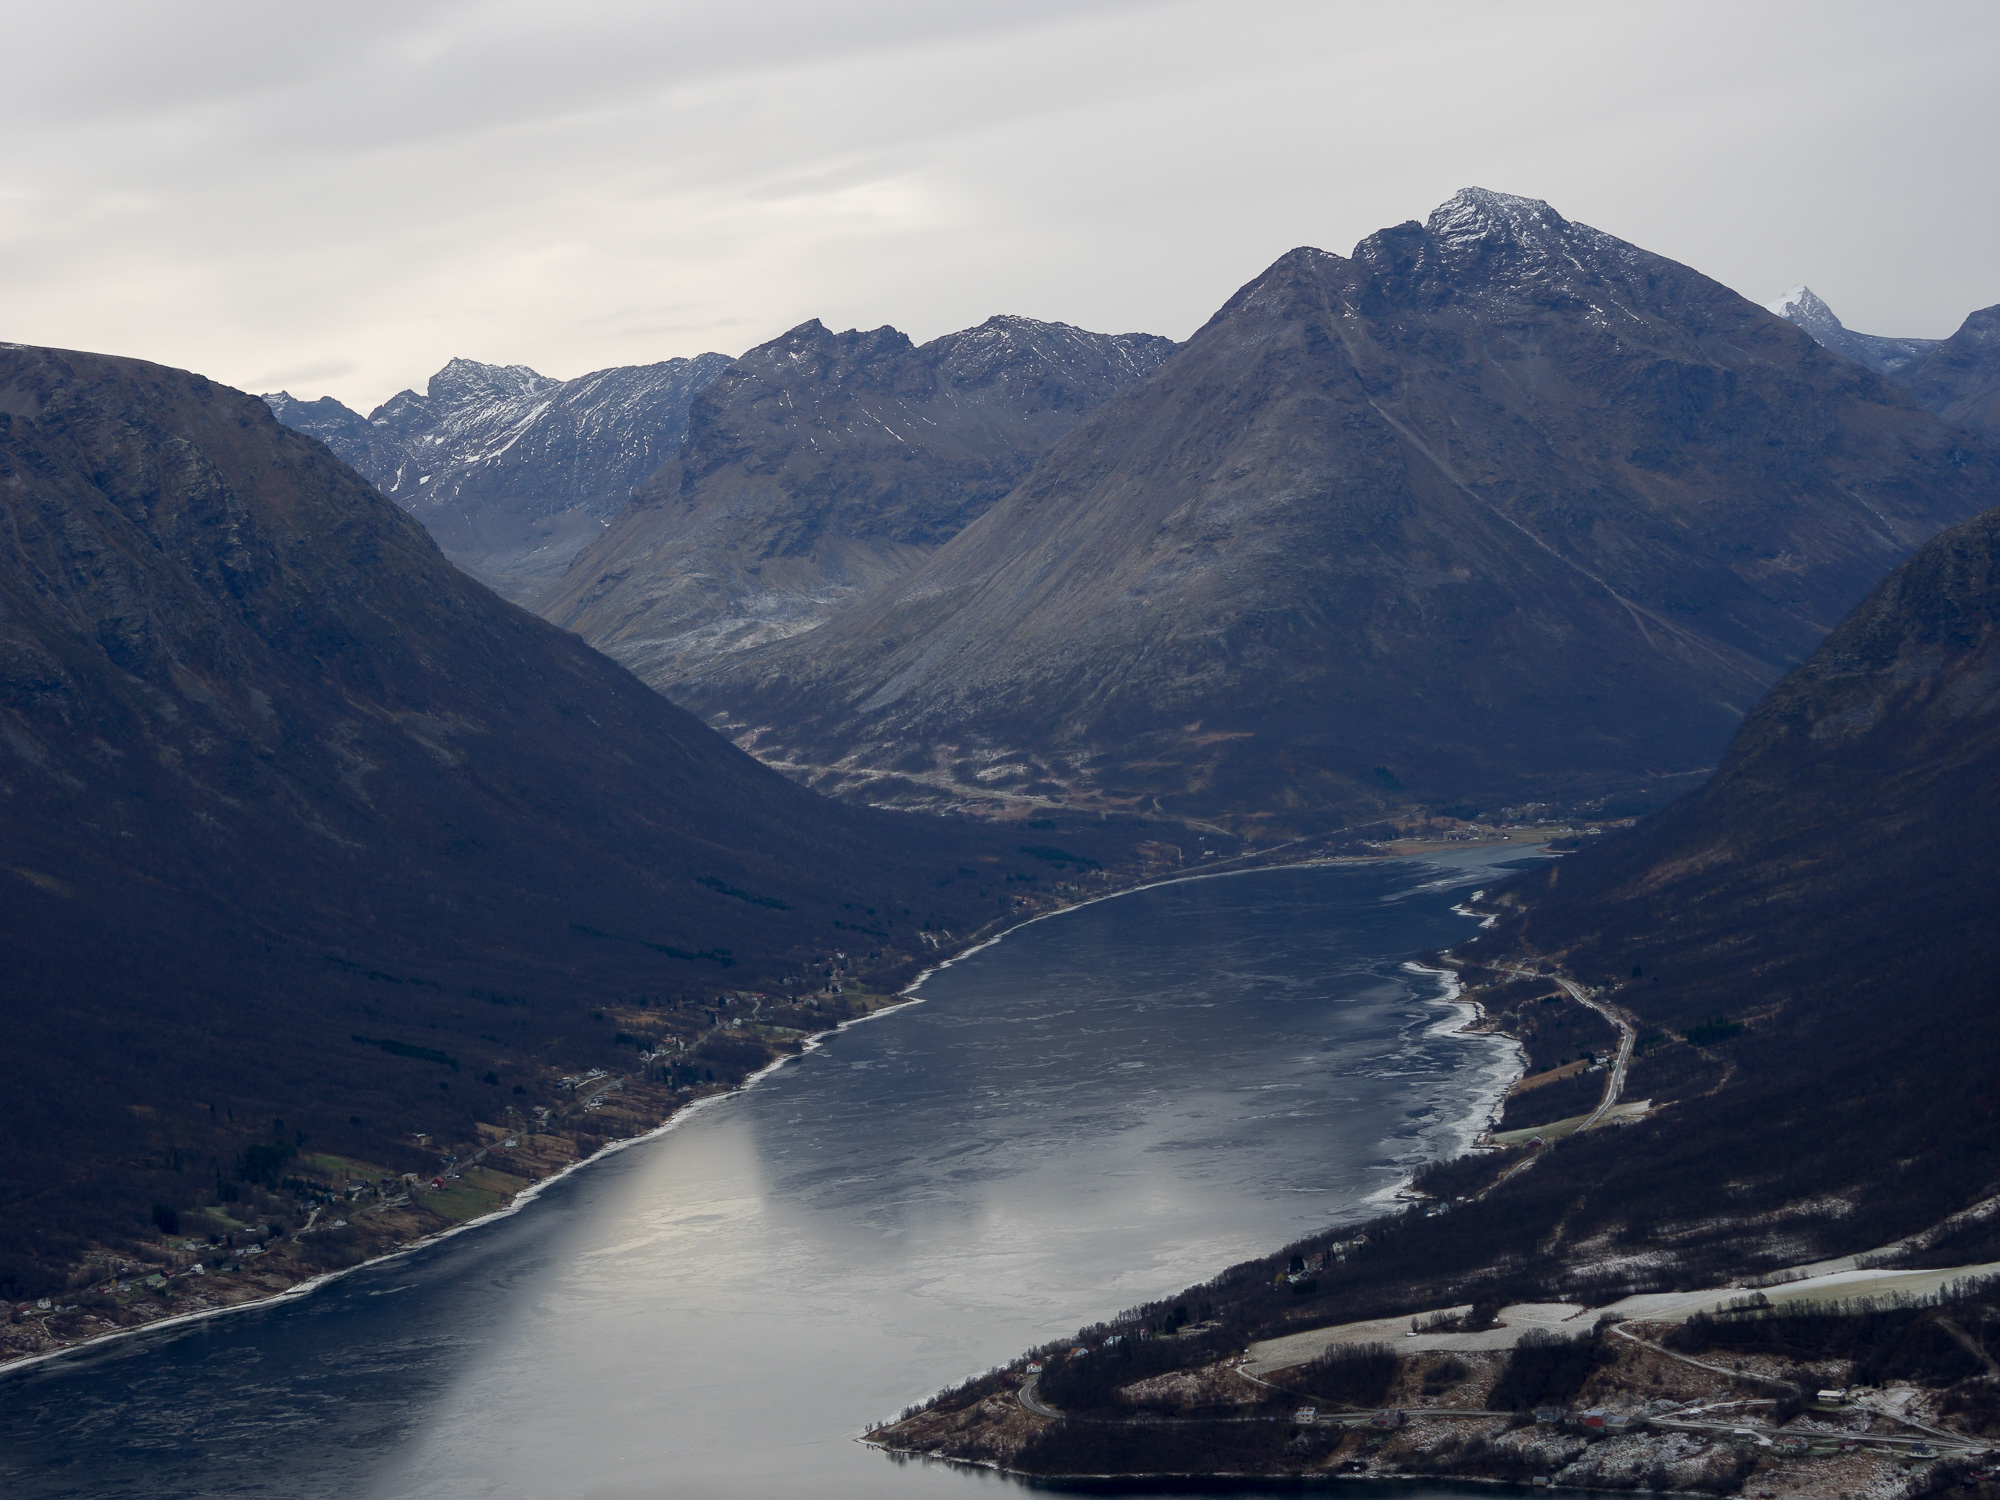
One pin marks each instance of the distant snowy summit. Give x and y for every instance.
(1957, 378)
(1804, 309)
(512, 471)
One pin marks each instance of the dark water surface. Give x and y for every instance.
(1100, 1109)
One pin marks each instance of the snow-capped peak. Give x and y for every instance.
(1805, 311)
(467, 380)
(1474, 214)
(1783, 304)
(1800, 304)
(1802, 308)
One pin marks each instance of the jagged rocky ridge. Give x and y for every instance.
(513, 472)
(1957, 378)
(1500, 507)
(823, 465)
(1803, 308)
(279, 783)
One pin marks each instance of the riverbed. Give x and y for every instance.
(1101, 1108)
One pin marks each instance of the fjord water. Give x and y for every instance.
(1101, 1108)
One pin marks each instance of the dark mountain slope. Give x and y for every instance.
(510, 471)
(823, 465)
(274, 775)
(1820, 919)
(1959, 379)
(1500, 508)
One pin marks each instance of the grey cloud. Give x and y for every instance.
(351, 195)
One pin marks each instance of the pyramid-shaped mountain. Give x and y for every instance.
(1499, 508)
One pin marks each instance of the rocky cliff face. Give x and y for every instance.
(511, 471)
(1885, 356)
(277, 779)
(1959, 379)
(821, 466)
(1498, 508)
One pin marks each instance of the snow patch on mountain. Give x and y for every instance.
(1799, 299)
(513, 471)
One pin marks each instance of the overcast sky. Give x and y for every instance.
(336, 199)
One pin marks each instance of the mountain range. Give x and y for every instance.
(822, 466)
(513, 472)
(287, 801)
(1499, 508)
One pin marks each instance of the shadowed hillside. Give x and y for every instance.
(1806, 951)
(1821, 915)
(1959, 378)
(293, 813)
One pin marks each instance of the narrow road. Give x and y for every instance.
(1628, 1036)
(1032, 1403)
(1723, 1370)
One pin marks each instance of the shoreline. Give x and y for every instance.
(1461, 1015)
(905, 997)
(1510, 1056)
(512, 1206)
(1203, 1479)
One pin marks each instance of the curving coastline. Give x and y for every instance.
(878, 1005)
